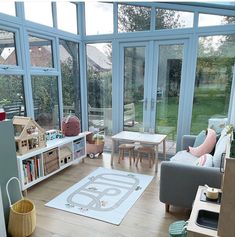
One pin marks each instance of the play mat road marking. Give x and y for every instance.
(104, 192)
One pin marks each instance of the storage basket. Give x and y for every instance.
(22, 218)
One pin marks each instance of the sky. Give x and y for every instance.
(103, 24)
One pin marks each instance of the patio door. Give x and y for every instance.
(153, 75)
(167, 94)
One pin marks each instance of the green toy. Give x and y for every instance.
(178, 229)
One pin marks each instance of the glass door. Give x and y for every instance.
(134, 79)
(166, 89)
(153, 75)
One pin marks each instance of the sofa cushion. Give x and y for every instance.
(207, 146)
(205, 160)
(220, 149)
(184, 157)
(200, 138)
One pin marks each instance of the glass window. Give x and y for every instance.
(214, 73)
(12, 95)
(133, 18)
(40, 52)
(172, 19)
(7, 48)
(70, 78)
(45, 101)
(95, 24)
(39, 12)
(8, 8)
(67, 16)
(100, 86)
(212, 20)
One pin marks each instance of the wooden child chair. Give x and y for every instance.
(149, 150)
(126, 147)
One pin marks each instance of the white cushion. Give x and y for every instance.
(184, 157)
(220, 148)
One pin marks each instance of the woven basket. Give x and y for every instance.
(22, 218)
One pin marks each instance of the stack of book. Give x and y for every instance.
(31, 169)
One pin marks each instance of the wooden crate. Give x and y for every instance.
(50, 161)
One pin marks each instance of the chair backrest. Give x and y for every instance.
(12, 110)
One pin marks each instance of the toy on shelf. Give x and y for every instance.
(95, 144)
(29, 135)
(53, 134)
(71, 126)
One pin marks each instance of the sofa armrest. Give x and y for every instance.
(179, 183)
(187, 140)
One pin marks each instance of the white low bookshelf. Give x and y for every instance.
(40, 164)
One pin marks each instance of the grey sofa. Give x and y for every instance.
(179, 181)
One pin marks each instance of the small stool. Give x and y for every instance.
(146, 150)
(126, 147)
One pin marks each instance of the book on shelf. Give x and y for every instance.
(31, 169)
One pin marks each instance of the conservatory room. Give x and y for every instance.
(117, 118)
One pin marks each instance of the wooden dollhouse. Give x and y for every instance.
(29, 135)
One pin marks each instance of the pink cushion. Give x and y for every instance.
(207, 146)
(204, 160)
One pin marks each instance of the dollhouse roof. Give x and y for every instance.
(26, 127)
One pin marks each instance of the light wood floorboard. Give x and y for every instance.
(146, 218)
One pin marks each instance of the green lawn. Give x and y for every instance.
(206, 105)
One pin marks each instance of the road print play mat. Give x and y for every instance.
(105, 194)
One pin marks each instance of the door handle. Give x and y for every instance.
(145, 103)
(152, 103)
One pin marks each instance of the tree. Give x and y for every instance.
(99, 89)
(137, 18)
(70, 76)
(133, 18)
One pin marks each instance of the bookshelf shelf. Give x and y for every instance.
(40, 164)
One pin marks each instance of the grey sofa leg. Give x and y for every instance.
(167, 207)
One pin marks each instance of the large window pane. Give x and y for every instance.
(215, 62)
(45, 101)
(70, 78)
(67, 16)
(172, 19)
(212, 20)
(95, 24)
(7, 48)
(12, 95)
(134, 73)
(8, 8)
(39, 12)
(40, 52)
(133, 18)
(100, 86)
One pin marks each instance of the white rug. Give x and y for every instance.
(105, 195)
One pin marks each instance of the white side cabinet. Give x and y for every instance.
(60, 153)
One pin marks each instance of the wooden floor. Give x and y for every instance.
(146, 218)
